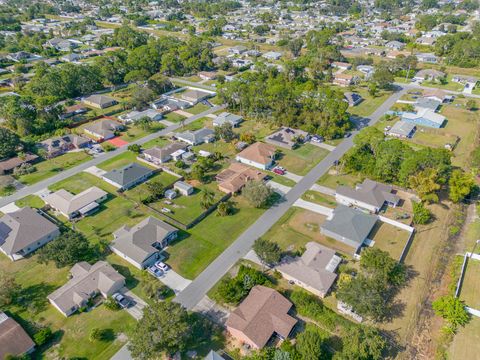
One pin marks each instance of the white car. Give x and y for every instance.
(162, 266)
(155, 271)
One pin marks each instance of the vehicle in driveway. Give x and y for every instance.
(121, 300)
(155, 271)
(279, 171)
(316, 139)
(162, 266)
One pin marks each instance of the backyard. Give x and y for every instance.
(470, 284)
(389, 238)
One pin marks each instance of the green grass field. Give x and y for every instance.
(120, 160)
(51, 167)
(135, 132)
(369, 104)
(302, 159)
(319, 198)
(32, 201)
(197, 109)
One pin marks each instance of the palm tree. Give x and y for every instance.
(208, 198)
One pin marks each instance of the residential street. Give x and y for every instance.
(199, 287)
(27, 190)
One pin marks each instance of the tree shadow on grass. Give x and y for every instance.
(34, 297)
(130, 280)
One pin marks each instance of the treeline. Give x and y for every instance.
(460, 49)
(211, 8)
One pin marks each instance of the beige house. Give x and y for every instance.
(259, 155)
(235, 177)
(72, 206)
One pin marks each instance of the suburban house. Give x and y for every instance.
(72, 206)
(127, 176)
(141, 244)
(272, 55)
(229, 118)
(87, 281)
(184, 188)
(429, 74)
(263, 314)
(166, 104)
(237, 50)
(162, 155)
(236, 176)
(99, 101)
(425, 117)
(14, 340)
(427, 58)
(213, 355)
(103, 129)
(196, 137)
(395, 45)
(74, 110)
(134, 116)
(349, 226)
(341, 79)
(341, 65)
(352, 98)
(7, 166)
(314, 270)
(369, 195)
(24, 231)
(438, 95)
(402, 129)
(287, 138)
(59, 145)
(258, 154)
(194, 96)
(208, 75)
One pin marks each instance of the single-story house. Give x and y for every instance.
(259, 155)
(213, 355)
(24, 231)
(59, 145)
(341, 79)
(352, 98)
(264, 313)
(103, 129)
(166, 104)
(170, 194)
(402, 129)
(86, 282)
(464, 79)
(427, 58)
(72, 206)
(349, 226)
(438, 95)
(196, 137)
(184, 188)
(134, 116)
(99, 101)
(429, 74)
(425, 40)
(6, 166)
(314, 270)
(424, 117)
(287, 137)
(369, 195)
(395, 45)
(127, 176)
(162, 155)
(208, 75)
(272, 55)
(229, 118)
(71, 58)
(237, 50)
(14, 340)
(73, 110)
(194, 96)
(141, 244)
(236, 176)
(341, 65)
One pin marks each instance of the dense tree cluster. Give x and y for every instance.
(461, 49)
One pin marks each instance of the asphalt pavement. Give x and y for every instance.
(32, 189)
(199, 287)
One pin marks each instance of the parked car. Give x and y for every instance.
(121, 300)
(279, 171)
(348, 134)
(155, 271)
(317, 139)
(162, 266)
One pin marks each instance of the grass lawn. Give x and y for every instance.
(174, 117)
(319, 198)
(135, 132)
(389, 238)
(282, 180)
(255, 127)
(226, 149)
(332, 181)
(197, 109)
(120, 160)
(50, 167)
(466, 342)
(450, 85)
(370, 103)
(140, 191)
(302, 159)
(470, 285)
(32, 201)
(204, 242)
(160, 142)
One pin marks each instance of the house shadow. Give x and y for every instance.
(130, 280)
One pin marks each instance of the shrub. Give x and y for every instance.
(111, 304)
(108, 147)
(421, 215)
(42, 336)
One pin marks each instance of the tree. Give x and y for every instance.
(111, 304)
(208, 198)
(135, 148)
(383, 76)
(309, 345)
(9, 288)
(225, 132)
(42, 336)
(295, 46)
(425, 183)
(164, 328)
(373, 89)
(380, 265)
(461, 184)
(96, 334)
(9, 143)
(257, 193)
(224, 208)
(268, 251)
(68, 249)
(471, 105)
(141, 98)
(451, 309)
(421, 215)
(362, 343)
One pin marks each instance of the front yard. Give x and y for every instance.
(135, 132)
(121, 160)
(302, 159)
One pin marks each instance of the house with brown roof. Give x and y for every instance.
(259, 155)
(194, 96)
(263, 314)
(103, 129)
(314, 270)
(87, 281)
(236, 176)
(341, 79)
(61, 144)
(72, 206)
(24, 231)
(99, 101)
(14, 340)
(7, 166)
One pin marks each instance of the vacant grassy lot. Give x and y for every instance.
(174, 117)
(389, 238)
(121, 160)
(135, 132)
(50, 167)
(197, 109)
(254, 127)
(302, 159)
(466, 342)
(203, 243)
(319, 198)
(159, 142)
(332, 181)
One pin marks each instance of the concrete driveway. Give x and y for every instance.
(279, 188)
(136, 310)
(95, 171)
(174, 281)
(319, 209)
(212, 310)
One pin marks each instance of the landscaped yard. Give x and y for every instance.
(32, 201)
(174, 117)
(159, 142)
(302, 159)
(139, 192)
(332, 181)
(50, 167)
(197, 109)
(389, 238)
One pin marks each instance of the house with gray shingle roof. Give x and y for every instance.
(349, 226)
(86, 282)
(229, 118)
(127, 176)
(141, 244)
(24, 231)
(71, 206)
(99, 101)
(196, 137)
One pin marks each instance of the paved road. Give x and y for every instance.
(199, 287)
(27, 190)
(412, 86)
